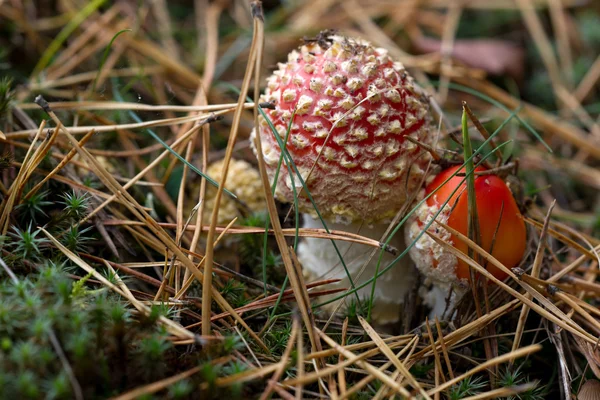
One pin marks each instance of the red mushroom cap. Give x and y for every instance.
(354, 107)
(502, 229)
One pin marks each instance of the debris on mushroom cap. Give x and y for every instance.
(352, 107)
(502, 229)
(590, 390)
(244, 181)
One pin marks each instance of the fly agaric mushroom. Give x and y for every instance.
(502, 229)
(349, 107)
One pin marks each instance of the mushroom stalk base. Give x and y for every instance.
(442, 298)
(320, 261)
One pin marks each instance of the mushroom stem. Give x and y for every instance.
(320, 261)
(441, 299)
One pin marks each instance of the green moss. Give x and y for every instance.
(467, 387)
(109, 346)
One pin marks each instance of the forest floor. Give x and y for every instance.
(111, 114)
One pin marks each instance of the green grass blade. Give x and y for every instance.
(401, 255)
(134, 116)
(527, 126)
(64, 34)
(289, 160)
(373, 280)
(473, 220)
(105, 56)
(267, 222)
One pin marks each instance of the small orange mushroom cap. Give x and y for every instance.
(502, 229)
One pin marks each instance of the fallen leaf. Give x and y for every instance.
(496, 57)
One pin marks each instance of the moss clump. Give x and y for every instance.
(50, 324)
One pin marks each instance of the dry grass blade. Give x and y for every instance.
(592, 255)
(534, 25)
(544, 45)
(537, 160)
(363, 364)
(331, 370)
(576, 304)
(269, 301)
(69, 182)
(437, 365)
(164, 27)
(9, 272)
(300, 367)
(141, 174)
(157, 386)
(60, 165)
(473, 233)
(444, 348)
(30, 163)
(212, 44)
(535, 272)
(391, 356)
(174, 328)
(77, 392)
(590, 353)
(246, 376)
(503, 392)
(468, 330)
(341, 372)
(117, 105)
(283, 361)
(134, 207)
(298, 289)
(290, 232)
(590, 81)
(558, 317)
(237, 330)
(585, 286)
(393, 342)
(547, 122)
(45, 85)
(257, 42)
(411, 346)
(481, 129)
(559, 21)
(181, 71)
(116, 127)
(451, 23)
(301, 294)
(524, 351)
(284, 395)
